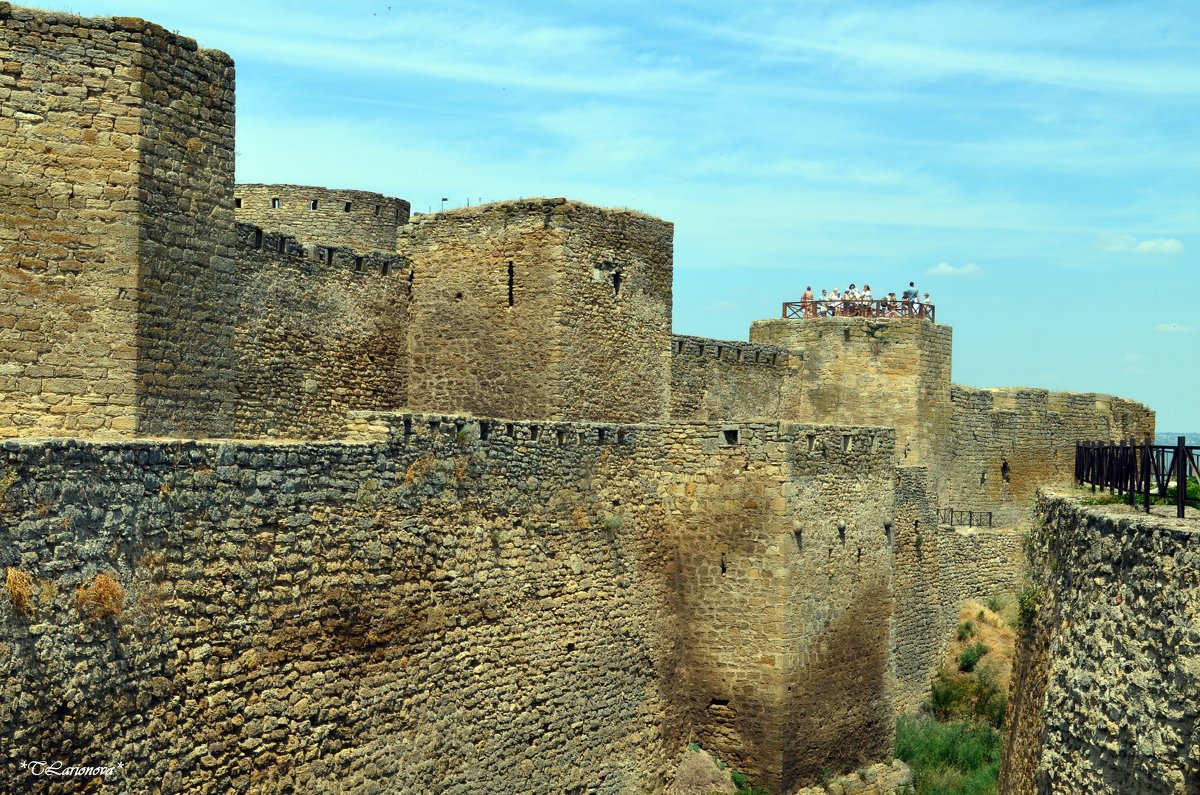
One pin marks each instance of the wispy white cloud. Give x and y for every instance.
(1110, 241)
(946, 269)
(1174, 328)
(1134, 364)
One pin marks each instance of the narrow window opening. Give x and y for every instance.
(458, 429)
(982, 478)
(617, 279)
(846, 334)
(1004, 474)
(799, 534)
(859, 555)
(312, 205)
(328, 256)
(723, 568)
(620, 437)
(582, 437)
(730, 435)
(842, 532)
(846, 442)
(812, 442)
(346, 207)
(274, 204)
(385, 269)
(377, 209)
(358, 263)
(600, 434)
(408, 426)
(533, 433)
(237, 204)
(510, 430)
(258, 238)
(510, 283)
(282, 244)
(720, 352)
(562, 438)
(485, 430)
(434, 425)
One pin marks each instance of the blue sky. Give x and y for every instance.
(1034, 166)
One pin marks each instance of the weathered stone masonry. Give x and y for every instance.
(437, 609)
(1104, 696)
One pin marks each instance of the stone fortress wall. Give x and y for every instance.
(1104, 698)
(296, 377)
(355, 219)
(673, 539)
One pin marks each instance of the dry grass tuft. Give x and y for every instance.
(20, 590)
(100, 598)
(698, 774)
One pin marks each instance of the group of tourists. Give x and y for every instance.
(853, 302)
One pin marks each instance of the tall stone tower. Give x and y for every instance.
(116, 228)
(542, 308)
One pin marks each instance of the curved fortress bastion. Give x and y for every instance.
(319, 494)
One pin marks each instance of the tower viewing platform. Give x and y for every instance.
(853, 307)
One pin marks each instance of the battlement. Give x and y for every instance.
(317, 256)
(729, 351)
(355, 219)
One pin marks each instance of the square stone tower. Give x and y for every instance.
(540, 308)
(116, 226)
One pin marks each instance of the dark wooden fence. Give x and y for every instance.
(1134, 469)
(964, 518)
(801, 310)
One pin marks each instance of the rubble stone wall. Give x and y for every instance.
(1109, 664)
(320, 331)
(713, 380)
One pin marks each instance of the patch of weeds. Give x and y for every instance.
(966, 630)
(20, 590)
(961, 758)
(418, 469)
(613, 522)
(100, 598)
(744, 787)
(970, 657)
(693, 747)
(462, 436)
(972, 698)
(6, 482)
(1028, 602)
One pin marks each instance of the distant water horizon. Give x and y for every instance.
(1171, 437)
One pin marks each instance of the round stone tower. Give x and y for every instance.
(358, 219)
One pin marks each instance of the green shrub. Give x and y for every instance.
(966, 630)
(951, 758)
(948, 695)
(970, 657)
(971, 698)
(1027, 604)
(744, 787)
